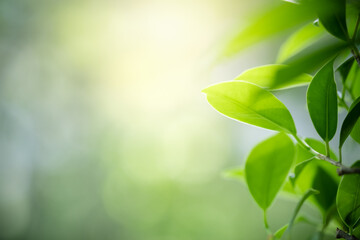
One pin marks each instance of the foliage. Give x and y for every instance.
(321, 52)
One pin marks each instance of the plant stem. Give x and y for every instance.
(298, 207)
(342, 170)
(341, 234)
(267, 225)
(327, 148)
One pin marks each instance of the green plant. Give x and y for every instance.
(324, 43)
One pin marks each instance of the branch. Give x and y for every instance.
(341, 234)
(342, 170)
(355, 53)
(346, 170)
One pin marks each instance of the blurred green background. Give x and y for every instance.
(104, 131)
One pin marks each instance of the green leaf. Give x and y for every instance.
(350, 121)
(278, 234)
(353, 80)
(332, 16)
(327, 186)
(299, 41)
(267, 167)
(303, 155)
(307, 194)
(274, 77)
(298, 169)
(273, 21)
(317, 174)
(355, 133)
(352, 11)
(348, 198)
(322, 102)
(313, 57)
(250, 104)
(345, 67)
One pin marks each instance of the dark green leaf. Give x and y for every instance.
(274, 21)
(299, 41)
(327, 186)
(267, 168)
(345, 67)
(303, 155)
(355, 133)
(322, 102)
(332, 16)
(274, 77)
(278, 234)
(352, 12)
(350, 121)
(251, 104)
(348, 198)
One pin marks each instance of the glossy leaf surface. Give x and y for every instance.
(250, 104)
(274, 77)
(267, 167)
(348, 198)
(322, 102)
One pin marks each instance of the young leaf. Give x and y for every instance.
(332, 15)
(350, 121)
(274, 77)
(322, 102)
(251, 104)
(299, 41)
(317, 174)
(279, 233)
(273, 21)
(298, 169)
(348, 198)
(267, 166)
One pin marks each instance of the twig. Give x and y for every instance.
(346, 170)
(342, 170)
(341, 234)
